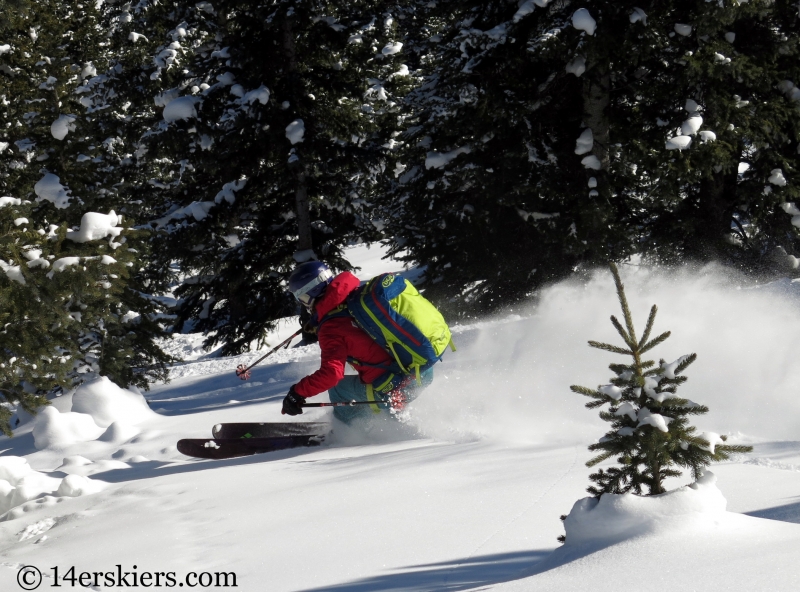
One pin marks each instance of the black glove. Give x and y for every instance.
(292, 403)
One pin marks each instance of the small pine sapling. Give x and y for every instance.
(650, 433)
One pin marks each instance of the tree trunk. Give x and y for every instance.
(715, 205)
(596, 98)
(656, 487)
(303, 214)
(304, 241)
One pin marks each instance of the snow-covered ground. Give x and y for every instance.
(464, 494)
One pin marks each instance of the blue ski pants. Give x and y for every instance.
(350, 388)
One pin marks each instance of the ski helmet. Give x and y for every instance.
(309, 280)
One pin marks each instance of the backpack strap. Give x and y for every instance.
(338, 312)
(371, 397)
(392, 374)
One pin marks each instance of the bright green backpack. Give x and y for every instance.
(402, 321)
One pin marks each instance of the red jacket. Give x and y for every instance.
(340, 338)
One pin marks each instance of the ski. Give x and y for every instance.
(220, 448)
(269, 430)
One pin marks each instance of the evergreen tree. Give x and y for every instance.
(650, 431)
(548, 136)
(61, 310)
(711, 141)
(59, 172)
(266, 148)
(494, 199)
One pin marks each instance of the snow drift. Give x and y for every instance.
(99, 409)
(612, 518)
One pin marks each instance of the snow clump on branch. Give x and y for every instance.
(62, 126)
(295, 131)
(583, 21)
(95, 226)
(180, 108)
(50, 189)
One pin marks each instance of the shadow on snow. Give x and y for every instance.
(463, 574)
(785, 513)
(218, 391)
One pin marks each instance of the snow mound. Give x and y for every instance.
(79, 465)
(6, 493)
(52, 429)
(13, 468)
(31, 486)
(73, 463)
(77, 485)
(119, 432)
(107, 403)
(20, 484)
(613, 518)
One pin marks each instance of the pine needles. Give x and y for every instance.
(650, 435)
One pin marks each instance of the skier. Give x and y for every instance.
(341, 341)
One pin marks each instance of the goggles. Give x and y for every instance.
(307, 293)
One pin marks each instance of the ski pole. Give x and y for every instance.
(244, 372)
(396, 401)
(344, 404)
